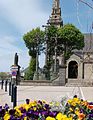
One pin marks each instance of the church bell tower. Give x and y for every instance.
(55, 18)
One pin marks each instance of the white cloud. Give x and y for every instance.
(24, 14)
(7, 52)
(7, 60)
(7, 45)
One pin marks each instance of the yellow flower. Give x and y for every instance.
(50, 118)
(32, 104)
(25, 118)
(18, 112)
(69, 101)
(71, 109)
(7, 116)
(74, 101)
(76, 112)
(27, 107)
(35, 108)
(73, 104)
(60, 116)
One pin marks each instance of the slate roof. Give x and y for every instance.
(88, 39)
(88, 48)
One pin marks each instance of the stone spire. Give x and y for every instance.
(55, 18)
(56, 4)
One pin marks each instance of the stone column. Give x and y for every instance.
(62, 75)
(62, 71)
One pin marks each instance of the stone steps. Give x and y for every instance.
(79, 83)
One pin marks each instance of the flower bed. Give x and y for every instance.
(73, 109)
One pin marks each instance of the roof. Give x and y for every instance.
(88, 39)
(88, 48)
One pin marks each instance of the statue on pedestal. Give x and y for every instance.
(16, 59)
(18, 71)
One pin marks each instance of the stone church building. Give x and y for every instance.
(80, 64)
(78, 70)
(79, 67)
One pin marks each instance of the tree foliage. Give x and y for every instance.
(51, 33)
(71, 37)
(4, 76)
(34, 39)
(68, 39)
(31, 69)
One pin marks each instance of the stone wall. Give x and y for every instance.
(88, 71)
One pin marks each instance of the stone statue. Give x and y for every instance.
(62, 59)
(16, 59)
(18, 71)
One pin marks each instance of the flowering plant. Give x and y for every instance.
(73, 109)
(79, 109)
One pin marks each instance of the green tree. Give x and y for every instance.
(33, 40)
(51, 34)
(4, 76)
(68, 39)
(31, 69)
(71, 38)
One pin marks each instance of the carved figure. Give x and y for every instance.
(16, 59)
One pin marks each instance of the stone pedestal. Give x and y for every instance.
(18, 76)
(62, 75)
(54, 75)
(41, 76)
(36, 76)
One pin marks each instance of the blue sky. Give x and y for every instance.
(20, 16)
